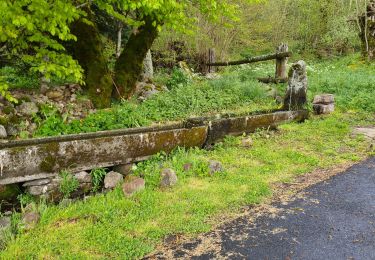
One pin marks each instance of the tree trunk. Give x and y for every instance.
(367, 31)
(88, 50)
(129, 65)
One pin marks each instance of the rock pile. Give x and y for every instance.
(324, 104)
(16, 118)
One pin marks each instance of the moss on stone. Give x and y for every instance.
(49, 163)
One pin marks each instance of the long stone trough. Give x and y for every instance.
(25, 160)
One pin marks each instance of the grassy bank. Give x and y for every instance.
(112, 226)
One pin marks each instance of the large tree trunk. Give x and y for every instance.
(367, 33)
(129, 65)
(88, 50)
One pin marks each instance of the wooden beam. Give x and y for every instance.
(253, 59)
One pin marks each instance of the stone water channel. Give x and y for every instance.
(36, 163)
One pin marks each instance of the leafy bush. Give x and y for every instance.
(178, 79)
(17, 77)
(68, 184)
(97, 178)
(25, 199)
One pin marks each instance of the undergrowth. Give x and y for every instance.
(201, 97)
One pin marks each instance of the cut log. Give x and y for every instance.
(253, 59)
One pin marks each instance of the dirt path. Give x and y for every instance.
(333, 219)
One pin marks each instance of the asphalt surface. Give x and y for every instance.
(334, 219)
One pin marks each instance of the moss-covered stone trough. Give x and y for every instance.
(25, 160)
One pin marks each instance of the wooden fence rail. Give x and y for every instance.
(281, 56)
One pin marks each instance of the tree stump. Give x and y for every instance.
(296, 94)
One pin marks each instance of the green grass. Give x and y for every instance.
(112, 226)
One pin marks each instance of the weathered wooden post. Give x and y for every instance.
(281, 63)
(296, 94)
(211, 59)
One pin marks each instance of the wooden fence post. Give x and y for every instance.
(281, 63)
(211, 59)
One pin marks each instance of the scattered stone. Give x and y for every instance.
(215, 166)
(5, 223)
(187, 167)
(5, 226)
(30, 219)
(321, 109)
(44, 88)
(247, 142)
(3, 132)
(36, 182)
(55, 95)
(112, 179)
(325, 99)
(37, 190)
(136, 185)
(28, 108)
(12, 130)
(168, 178)
(83, 177)
(124, 169)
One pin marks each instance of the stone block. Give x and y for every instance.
(136, 185)
(112, 179)
(124, 169)
(168, 178)
(321, 109)
(325, 99)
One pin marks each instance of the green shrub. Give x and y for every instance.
(68, 184)
(19, 77)
(178, 79)
(25, 199)
(97, 175)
